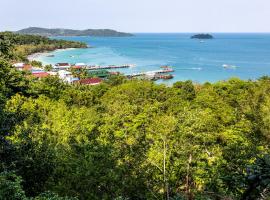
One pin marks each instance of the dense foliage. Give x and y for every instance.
(28, 44)
(131, 139)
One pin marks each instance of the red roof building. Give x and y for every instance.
(27, 67)
(62, 64)
(76, 67)
(40, 74)
(90, 81)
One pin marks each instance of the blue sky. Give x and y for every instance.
(139, 15)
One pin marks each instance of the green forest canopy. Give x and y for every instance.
(131, 139)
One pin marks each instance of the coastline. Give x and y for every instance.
(205, 63)
(37, 55)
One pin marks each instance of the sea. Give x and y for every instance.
(242, 55)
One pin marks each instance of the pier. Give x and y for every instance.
(151, 73)
(109, 67)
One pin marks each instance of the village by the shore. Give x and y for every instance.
(93, 74)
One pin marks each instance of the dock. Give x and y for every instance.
(110, 67)
(151, 73)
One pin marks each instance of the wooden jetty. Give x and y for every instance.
(109, 67)
(151, 73)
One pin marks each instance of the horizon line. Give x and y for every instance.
(203, 32)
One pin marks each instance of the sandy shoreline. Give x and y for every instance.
(35, 56)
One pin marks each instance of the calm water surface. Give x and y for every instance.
(191, 59)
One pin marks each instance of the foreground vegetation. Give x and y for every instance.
(132, 139)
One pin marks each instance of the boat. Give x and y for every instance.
(165, 67)
(229, 66)
(50, 55)
(166, 76)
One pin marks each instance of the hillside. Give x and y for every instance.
(24, 45)
(130, 139)
(71, 32)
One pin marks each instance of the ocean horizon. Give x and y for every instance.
(242, 55)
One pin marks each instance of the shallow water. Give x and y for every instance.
(191, 59)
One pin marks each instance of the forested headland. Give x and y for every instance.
(24, 45)
(71, 32)
(131, 139)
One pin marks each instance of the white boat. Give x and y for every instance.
(229, 66)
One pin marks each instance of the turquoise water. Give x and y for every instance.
(191, 59)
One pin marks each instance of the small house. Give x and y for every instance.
(90, 81)
(18, 66)
(61, 66)
(40, 75)
(67, 76)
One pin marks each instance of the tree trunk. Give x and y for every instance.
(188, 193)
(166, 186)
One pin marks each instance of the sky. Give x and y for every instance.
(138, 15)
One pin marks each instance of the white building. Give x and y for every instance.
(37, 70)
(66, 76)
(80, 64)
(62, 66)
(18, 66)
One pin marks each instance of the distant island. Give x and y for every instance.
(202, 36)
(70, 32)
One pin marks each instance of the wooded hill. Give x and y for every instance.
(71, 32)
(131, 139)
(24, 45)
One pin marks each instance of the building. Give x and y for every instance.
(61, 66)
(18, 66)
(36, 70)
(76, 67)
(81, 64)
(66, 76)
(23, 67)
(40, 75)
(27, 67)
(52, 73)
(90, 81)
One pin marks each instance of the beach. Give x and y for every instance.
(39, 56)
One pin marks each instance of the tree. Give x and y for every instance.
(258, 179)
(6, 47)
(187, 90)
(36, 63)
(48, 67)
(161, 148)
(10, 187)
(115, 80)
(51, 196)
(50, 86)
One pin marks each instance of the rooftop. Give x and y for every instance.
(40, 74)
(62, 64)
(90, 81)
